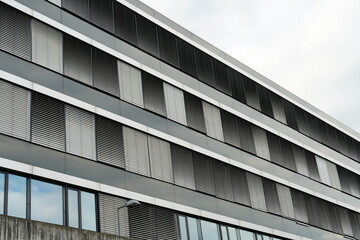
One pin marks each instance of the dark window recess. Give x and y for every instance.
(299, 205)
(105, 72)
(276, 154)
(102, 14)
(271, 196)
(265, 101)
(246, 137)
(194, 112)
(288, 156)
(301, 121)
(47, 121)
(204, 173)
(77, 59)
(290, 115)
(221, 77)
(230, 128)
(109, 142)
(15, 32)
(142, 223)
(79, 7)
(147, 35)
(222, 179)
(205, 68)
(312, 166)
(168, 47)
(240, 186)
(251, 94)
(237, 85)
(153, 93)
(125, 23)
(187, 57)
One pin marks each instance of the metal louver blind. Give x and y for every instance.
(102, 14)
(343, 215)
(80, 132)
(278, 107)
(213, 121)
(77, 59)
(265, 103)
(108, 215)
(203, 173)
(168, 46)
(187, 57)
(109, 142)
(288, 156)
(300, 160)
(246, 135)
(256, 191)
(271, 196)
(230, 129)
(47, 121)
(125, 23)
(240, 186)
(204, 67)
(167, 226)
(79, 7)
(312, 167)
(221, 76)
(136, 151)
(261, 143)
(183, 166)
(15, 32)
(153, 93)
(194, 112)
(14, 111)
(312, 210)
(299, 205)
(286, 204)
(222, 179)
(147, 35)
(105, 72)
(160, 159)
(175, 104)
(290, 114)
(334, 176)
(323, 170)
(276, 155)
(142, 222)
(130, 84)
(47, 46)
(237, 85)
(251, 94)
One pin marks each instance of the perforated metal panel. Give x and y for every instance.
(153, 93)
(240, 186)
(14, 111)
(261, 143)
(136, 151)
(47, 121)
(286, 204)
(160, 159)
(130, 84)
(80, 132)
(256, 191)
(183, 166)
(213, 121)
(109, 142)
(203, 173)
(15, 32)
(222, 179)
(175, 103)
(78, 7)
(108, 215)
(194, 112)
(47, 46)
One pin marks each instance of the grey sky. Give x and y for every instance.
(310, 47)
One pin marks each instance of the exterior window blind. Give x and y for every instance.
(77, 60)
(265, 103)
(355, 223)
(47, 121)
(240, 186)
(246, 136)
(130, 84)
(261, 143)
(251, 94)
(335, 221)
(142, 222)
(275, 149)
(230, 128)
(343, 215)
(14, 111)
(80, 132)
(160, 159)
(222, 179)
(203, 173)
(47, 46)
(15, 32)
(125, 23)
(168, 47)
(271, 196)
(237, 85)
(290, 115)
(221, 77)
(289, 161)
(109, 142)
(175, 103)
(136, 151)
(311, 163)
(105, 72)
(167, 226)
(205, 67)
(79, 7)
(299, 205)
(153, 92)
(108, 215)
(300, 160)
(194, 112)
(102, 14)
(301, 121)
(323, 170)
(278, 107)
(312, 210)
(256, 191)
(286, 204)
(147, 35)
(187, 57)
(213, 121)
(334, 176)
(183, 166)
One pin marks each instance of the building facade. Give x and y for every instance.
(106, 101)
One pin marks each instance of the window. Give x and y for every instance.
(213, 121)
(88, 211)
(147, 35)
(73, 208)
(17, 191)
(209, 230)
(183, 166)
(187, 58)
(193, 228)
(175, 104)
(183, 228)
(153, 92)
(246, 235)
(101, 14)
(2, 193)
(205, 67)
(125, 24)
(194, 112)
(130, 84)
(79, 7)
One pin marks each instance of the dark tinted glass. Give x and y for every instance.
(125, 23)
(79, 7)
(221, 77)
(230, 128)
(168, 47)
(187, 57)
(237, 85)
(147, 35)
(205, 67)
(102, 14)
(153, 93)
(194, 112)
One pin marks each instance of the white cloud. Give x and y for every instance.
(312, 48)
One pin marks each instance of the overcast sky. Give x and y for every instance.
(309, 47)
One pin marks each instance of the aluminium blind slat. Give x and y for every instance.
(160, 159)
(183, 166)
(80, 132)
(109, 142)
(237, 85)
(355, 223)
(187, 57)
(251, 94)
(288, 156)
(312, 210)
(265, 103)
(15, 32)
(204, 179)
(256, 191)
(167, 226)
(136, 151)
(213, 121)
(142, 222)
(240, 186)
(108, 215)
(79, 7)
(312, 166)
(130, 84)
(47, 46)
(335, 220)
(222, 179)
(204, 67)
(47, 121)
(175, 103)
(14, 111)
(261, 143)
(222, 82)
(286, 204)
(125, 23)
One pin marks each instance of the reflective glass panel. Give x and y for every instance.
(232, 233)
(88, 214)
(193, 229)
(46, 202)
(245, 235)
(224, 234)
(209, 230)
(17, 196)
(183, 230)
(73, 208)
(2, 188)
(266, 237)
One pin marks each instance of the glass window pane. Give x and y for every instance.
(183, 230)
(46, 202)
(232, 233)
(73, 208)
(2, 188)
(209, 230)
(88, 214)
(224, 234)
(17, 196)
(245, 235)
(193, 229)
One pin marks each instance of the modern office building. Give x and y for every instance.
(103, 101)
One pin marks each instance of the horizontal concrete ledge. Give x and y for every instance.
(12, 228)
